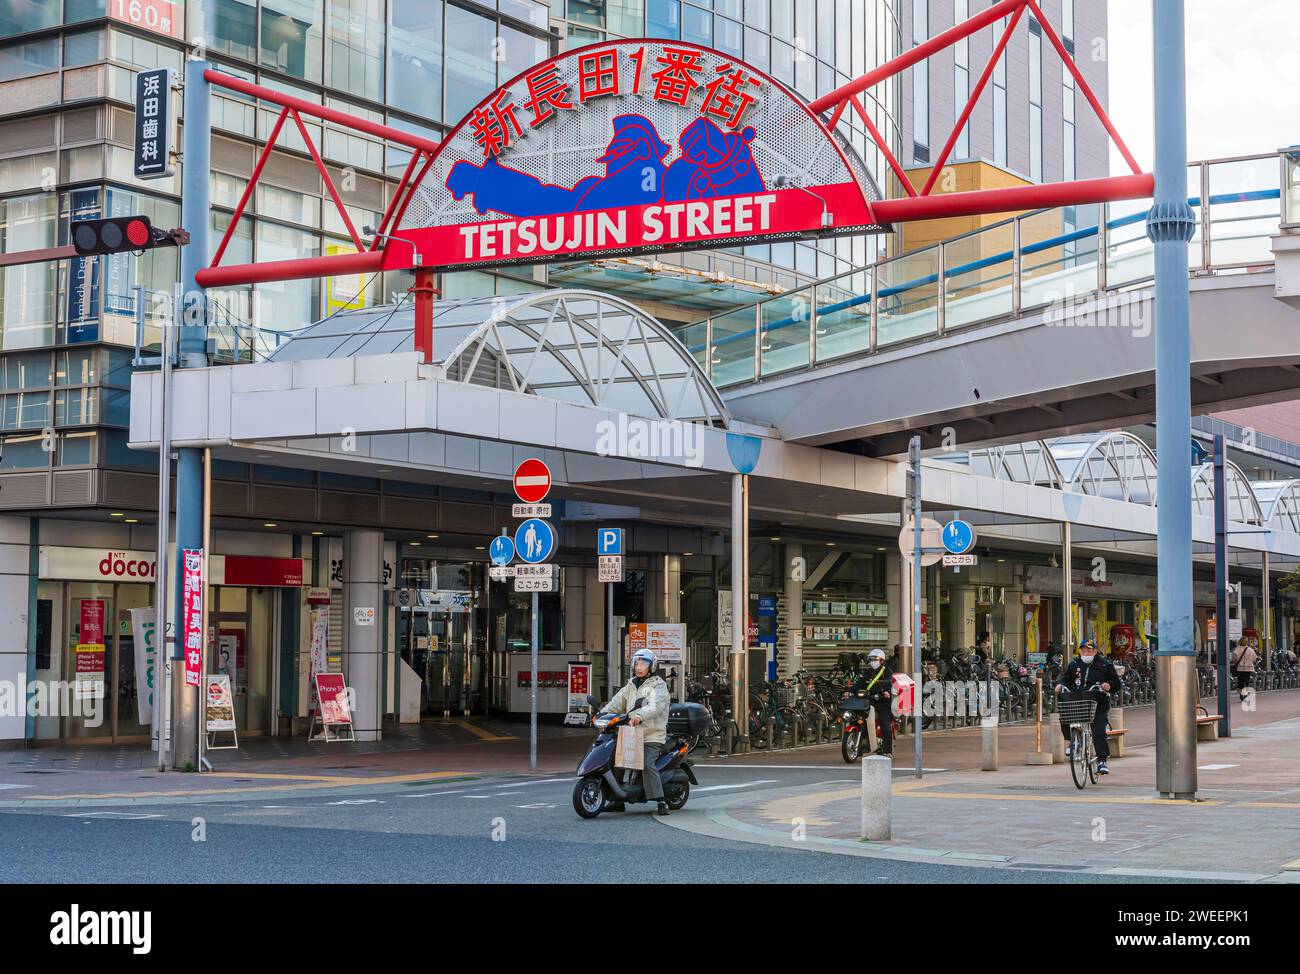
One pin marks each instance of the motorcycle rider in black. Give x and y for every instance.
(878, 684)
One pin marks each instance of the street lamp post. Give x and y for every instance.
(1170, 225)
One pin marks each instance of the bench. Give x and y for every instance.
(1117, 737)
(1207, 726)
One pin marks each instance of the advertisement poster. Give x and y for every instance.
(1032, 640)
(230, 656)
(219, 703)
(192, 615)
(333, 695)
(143, 626)
(90, 654)
(319, 600)
(667, 640)
(579, 686)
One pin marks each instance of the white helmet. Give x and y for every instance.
(876, 654)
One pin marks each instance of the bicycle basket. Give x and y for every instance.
(787, 696)
(1076, 711)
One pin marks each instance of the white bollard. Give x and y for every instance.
(1058, 742)
(877, 776)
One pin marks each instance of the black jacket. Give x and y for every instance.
(1080, 675)
(882, 688)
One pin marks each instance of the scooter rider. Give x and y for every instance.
(649, 687)
(1085, 670)
(878, 684)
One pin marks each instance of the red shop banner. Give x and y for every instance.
(192, 615)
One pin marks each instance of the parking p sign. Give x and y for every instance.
(609, 541)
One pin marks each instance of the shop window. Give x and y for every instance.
(26, 371)
(76, 449)
(415, 58)
(25, 410)
(625, 17)
(22, 59)
(292, 36)
(471, 70)
(356, 47)
(23, 453)
(228, 26)
(83, 47)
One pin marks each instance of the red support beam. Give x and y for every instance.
(1085, 88)
(424, 292)
(392, 203)
(329, 183)
(883, 146)
(1015, 199)
(304, 268)
(248, 189)
(970, 102)
(320, 111)
(917, 54)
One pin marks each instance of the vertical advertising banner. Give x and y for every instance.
(144, 622)
(192, 615)
(91, 656)
(319, 600)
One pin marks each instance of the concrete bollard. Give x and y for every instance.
(989, 743)
(1058, 742)
(1117, 723)
(877, 776)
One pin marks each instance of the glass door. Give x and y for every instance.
(134, 675)
(89, 663)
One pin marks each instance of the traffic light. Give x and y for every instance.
(119, 234)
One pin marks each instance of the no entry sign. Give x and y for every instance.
(532, 481)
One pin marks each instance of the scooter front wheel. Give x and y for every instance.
(589, 797)
(851, 745)
(676, 794)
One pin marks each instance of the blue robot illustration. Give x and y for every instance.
(712, 163)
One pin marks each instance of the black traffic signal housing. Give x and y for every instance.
(121, 234)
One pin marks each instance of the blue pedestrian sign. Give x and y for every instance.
(958, 537)
(501, 550)
(609, 541)
(535, 541)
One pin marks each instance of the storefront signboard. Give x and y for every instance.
(192, 614)
(96, 564)
(667, 640)
(333, 695)
(219, 701)
(628, 147)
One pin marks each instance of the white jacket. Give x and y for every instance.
(653, 711)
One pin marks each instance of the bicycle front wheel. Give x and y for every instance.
(1079, 758)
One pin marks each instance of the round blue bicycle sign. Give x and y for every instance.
(958, 537)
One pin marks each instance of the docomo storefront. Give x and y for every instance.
(95, 643)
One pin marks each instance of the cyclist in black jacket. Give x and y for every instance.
(1086, 669)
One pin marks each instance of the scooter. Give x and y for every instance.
(598, 787)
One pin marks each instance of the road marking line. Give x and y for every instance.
(112, 815)
(316, 783)
(431, 794)
(358, 801)
(1292, 865)
(743, 784)
(1215, 767)
(481, 732)
(1072, 799)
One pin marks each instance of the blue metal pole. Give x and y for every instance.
(1221, 582)
(1170, 225)
(193, 353)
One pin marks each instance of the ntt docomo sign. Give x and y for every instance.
(97, 564)
(630, 147)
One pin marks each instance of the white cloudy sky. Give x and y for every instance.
(1243, 77)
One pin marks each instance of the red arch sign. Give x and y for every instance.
(630, 147)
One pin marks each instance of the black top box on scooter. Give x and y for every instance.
(688, 719)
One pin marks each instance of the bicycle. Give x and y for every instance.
(1078, 715)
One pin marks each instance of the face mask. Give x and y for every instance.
(875, 664)
(1087, 659)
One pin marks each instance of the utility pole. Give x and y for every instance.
(193, 354)
(1170, 225)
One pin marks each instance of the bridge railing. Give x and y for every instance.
(1029, 262)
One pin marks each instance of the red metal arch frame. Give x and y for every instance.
(923, 206)
(914, 206)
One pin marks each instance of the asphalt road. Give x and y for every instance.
(497, 829)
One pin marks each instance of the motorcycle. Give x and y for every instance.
(855, 711)
(599, 787)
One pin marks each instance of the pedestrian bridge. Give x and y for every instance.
(1038, 326)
